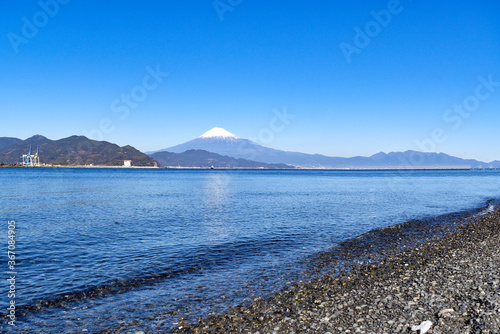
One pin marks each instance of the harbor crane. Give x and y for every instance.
(31, 160)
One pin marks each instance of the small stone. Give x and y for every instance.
(423, 327)
(445, 311)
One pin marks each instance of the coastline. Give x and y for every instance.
(262, 168)
(85, 166)
(450, 279)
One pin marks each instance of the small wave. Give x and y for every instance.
(492, 206)
(193, 261)
(374, 245)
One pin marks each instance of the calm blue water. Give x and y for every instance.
(98, 248)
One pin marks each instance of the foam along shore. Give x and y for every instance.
(449, 283)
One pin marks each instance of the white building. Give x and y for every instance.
(127, 163)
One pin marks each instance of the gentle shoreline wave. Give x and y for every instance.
(364, 249)
(363, 286)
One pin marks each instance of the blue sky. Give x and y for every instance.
(424, 76)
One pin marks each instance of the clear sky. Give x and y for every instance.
(359, 77)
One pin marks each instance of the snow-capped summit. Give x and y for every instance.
(224, 143)
(218, 133)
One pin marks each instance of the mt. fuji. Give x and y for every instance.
(223, 142)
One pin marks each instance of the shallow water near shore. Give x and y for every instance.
(98, 249)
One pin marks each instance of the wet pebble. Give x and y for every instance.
(451, 281)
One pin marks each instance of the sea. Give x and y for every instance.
(147, 249)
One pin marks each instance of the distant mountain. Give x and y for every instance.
(225, 143)
(7, 141)
(222, 142)
(218, 141)
(201, 158)
(421, 159)
(74, 150)
(494, 164)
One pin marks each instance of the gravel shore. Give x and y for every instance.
(450, 279)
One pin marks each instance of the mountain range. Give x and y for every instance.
(74, 150)
(205, 159)
(219, 148)
(223, 142)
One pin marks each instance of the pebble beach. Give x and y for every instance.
(448, 281)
